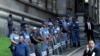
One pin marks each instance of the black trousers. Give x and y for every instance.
(90, 35)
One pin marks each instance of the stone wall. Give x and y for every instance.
(15, 6)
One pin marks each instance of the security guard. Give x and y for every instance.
(14, 37)
(23, 23)
(10, 24)
(36, 40)
(44, 34)
(75, 32)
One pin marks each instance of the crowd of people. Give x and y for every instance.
(53, 34)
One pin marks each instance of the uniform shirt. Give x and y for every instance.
(14, 37)
(64, 23)
(51, 30)
(23, 23)
(21, 49)
(89, 25)
(26, 36)
(10, 21)
(68, 25)
(44, 32)
(34, 36)
(74, 26)
(56, 30)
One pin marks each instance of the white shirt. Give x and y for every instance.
(89, 25)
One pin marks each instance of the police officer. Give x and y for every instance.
(23, 23)
(57, 38)
(10, 24)
(36, 40)
(51, 31)
(65, 30)
(75, 32)
(57, 31)
(51, 28)
(14, 37)
(26, 36)
(44, 34)
(68, 29)
(58, 21)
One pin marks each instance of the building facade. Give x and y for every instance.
(34, 11)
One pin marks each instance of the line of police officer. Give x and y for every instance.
(40, 40)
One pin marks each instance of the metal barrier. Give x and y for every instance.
(57, 45)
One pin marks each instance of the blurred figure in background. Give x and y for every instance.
(58, 21)
(75, 32)
(89, 29)
(23, 23)
(10, 24)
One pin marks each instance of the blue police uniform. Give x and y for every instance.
(14, 37)
(21, 49)
(56, 32)
(65, 26)
(26, 36)
(10, 25)
(23, 23)
(75, 33)
(27, 40)
(57, 39)
(44, 32)
(51, 28)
